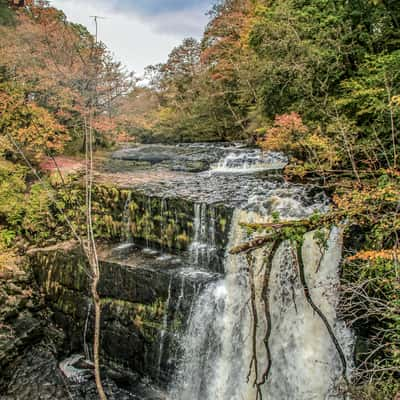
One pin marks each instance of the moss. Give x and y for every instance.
(222, 224)
(182, 240)
(147, 318)
(124, 194)
(169, 235)
(158, 218)
(166, 222)
(176, 325)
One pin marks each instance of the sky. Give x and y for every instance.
(139, 32)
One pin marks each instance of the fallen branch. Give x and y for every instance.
(300, 263)
(265, 297)
(253, 244)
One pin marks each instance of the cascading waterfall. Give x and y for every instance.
(164, 327)
(249, 162)
(214, 352)
(148, 222)
(163, 209)
(215, 326)
(203, 246)
(126, 219)
(224, 351)
(181, 294)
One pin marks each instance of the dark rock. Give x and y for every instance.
(140, 295)
(23, 332)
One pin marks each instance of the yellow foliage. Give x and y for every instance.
(287, 134)
(32, 127)
(371, 255)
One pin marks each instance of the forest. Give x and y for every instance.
(317, 80)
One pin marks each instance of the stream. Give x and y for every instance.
(200, 339)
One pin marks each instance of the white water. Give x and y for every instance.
(126, 221)
(73, 373)
(203, 246)
(164, 327)
(305, 364)
(249, 161)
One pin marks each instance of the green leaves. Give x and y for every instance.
(6, 14)
(12, 194)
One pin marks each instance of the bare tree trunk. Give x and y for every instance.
(96, 339)
(93, 259)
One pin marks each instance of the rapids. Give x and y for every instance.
(220, 326)
(222, 354)
(218, 344)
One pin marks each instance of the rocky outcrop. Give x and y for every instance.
(22, 320)
(143, 305)
(166, 223)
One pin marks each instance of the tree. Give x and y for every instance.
(6, 14)
(51, 57)
(28, 124)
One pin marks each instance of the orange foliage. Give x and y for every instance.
(286, 134)
(104, 124)
(31, 126)
(372, 255)
(57, 63)
(225, 37)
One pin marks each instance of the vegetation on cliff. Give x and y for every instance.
(316, 79)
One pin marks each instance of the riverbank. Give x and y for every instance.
(177, 219)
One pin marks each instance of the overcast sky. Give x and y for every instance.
(140, 32)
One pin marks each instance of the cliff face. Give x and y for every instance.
(22, 321)
(145, 303)
(146, 298)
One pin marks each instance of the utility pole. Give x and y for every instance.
(96, 22)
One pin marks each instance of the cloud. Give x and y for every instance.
(159, 7)
(140, 32)
(187, 17)
(184, 22)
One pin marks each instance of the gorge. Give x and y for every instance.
(184, 318)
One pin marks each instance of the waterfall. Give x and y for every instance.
(126, 224)
(247, 161)
(203, 248)
(224, 348)
(163, 209)
(164, 327)
(214, 352)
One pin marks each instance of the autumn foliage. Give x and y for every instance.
(49, 71)
(29, 125)
(287, 134)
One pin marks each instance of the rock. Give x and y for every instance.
(136, 291)
(35, 375)
(13, 289)
(24, 331)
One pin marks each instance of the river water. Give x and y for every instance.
(250, 332)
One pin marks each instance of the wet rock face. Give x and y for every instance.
(15, 336)
(158, 220)
(36, 374)
(146, 300)
(21, 319)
